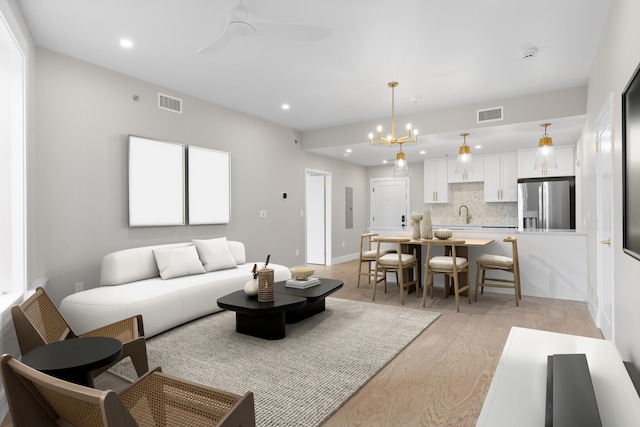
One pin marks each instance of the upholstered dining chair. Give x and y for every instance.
(398, 263)
(38, 322)
(155, 399)
(368, 254)
(500, 263)
(450, 266)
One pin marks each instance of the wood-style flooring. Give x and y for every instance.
(442, 377)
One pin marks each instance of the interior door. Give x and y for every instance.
(389, 203)
(316, 219)
(604, 188)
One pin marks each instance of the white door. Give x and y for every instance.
(316, 219)
(389, 203)
(604, 186)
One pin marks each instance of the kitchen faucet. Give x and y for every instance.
(468, 217)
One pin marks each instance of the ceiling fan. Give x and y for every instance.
(242, 24)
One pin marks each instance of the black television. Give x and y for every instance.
(631, 166)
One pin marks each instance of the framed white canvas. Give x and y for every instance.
(209, 186)
(156, 182)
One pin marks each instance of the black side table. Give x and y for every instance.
(74, 359)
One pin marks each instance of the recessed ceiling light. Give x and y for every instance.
(126, 43)
(285, 106)
(423, 152)
(348, 150)
(477, 147)
(385, 161)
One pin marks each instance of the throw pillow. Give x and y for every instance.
(215, 254)
(178, 262)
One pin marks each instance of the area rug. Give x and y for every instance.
(299, 380)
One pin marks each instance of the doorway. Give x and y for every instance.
(389, 203)
(318, 217)
(604, 200)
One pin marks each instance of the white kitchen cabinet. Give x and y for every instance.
(436, 185)
(477, 175)
(564, 158)
(501, 178)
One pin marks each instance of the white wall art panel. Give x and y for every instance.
(208, 183)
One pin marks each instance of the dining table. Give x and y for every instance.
(414, 246)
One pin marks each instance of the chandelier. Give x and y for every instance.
(546, 156)
(401, 168)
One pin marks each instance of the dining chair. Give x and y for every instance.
(38, 322)
(155, 399)
(368, 253)
(500, 263)
(450, 266)
(397, 262)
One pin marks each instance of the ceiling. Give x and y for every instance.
(444, 52)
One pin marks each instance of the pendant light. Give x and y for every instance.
(546, 156)
(464, 164)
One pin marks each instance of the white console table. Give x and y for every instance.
(517, 395)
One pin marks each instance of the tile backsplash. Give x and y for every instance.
(471, 194)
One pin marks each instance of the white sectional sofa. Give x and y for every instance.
(168, 284)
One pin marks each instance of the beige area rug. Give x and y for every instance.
(299, 380)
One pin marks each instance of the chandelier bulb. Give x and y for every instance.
(370, 135)
(379, 128)
(408, 126)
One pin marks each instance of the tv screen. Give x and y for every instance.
(631, 166)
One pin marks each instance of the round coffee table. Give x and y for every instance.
(74, 359)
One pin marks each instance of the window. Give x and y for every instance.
(13, 48)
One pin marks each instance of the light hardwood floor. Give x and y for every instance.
(442, 377)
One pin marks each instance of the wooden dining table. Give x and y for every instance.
(463, 244)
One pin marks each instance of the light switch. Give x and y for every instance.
(263, 214)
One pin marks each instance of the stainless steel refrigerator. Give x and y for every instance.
(546, 203)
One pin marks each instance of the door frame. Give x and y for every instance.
(606, 324)
(327, 213)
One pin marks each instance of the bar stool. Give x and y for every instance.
(397, 262)
(511, 265)
(368, 255)
(450, 267)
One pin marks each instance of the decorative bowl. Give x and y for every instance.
(442, 233)
(302, 273)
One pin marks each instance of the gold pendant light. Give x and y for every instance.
(401, 168)
(546, 156)
(464, 163)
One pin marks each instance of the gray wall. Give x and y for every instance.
(84, 115)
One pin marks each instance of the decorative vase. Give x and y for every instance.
(427, 229)
(265, 285)
(251, 287)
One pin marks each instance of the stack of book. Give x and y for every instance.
(302, 284)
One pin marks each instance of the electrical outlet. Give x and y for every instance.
(297, 252)
(343, 244)
(79, 286)
(263, 214)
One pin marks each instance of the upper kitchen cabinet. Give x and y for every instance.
(564, 158)
(436, 184)
(476, 175)
(501, 178)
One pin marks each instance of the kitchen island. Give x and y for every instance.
(553, 264)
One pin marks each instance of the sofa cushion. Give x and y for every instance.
(178, 262)
(215, 254)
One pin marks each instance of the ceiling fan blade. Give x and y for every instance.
(218, 44)
(306, 33)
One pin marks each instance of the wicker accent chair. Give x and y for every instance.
(397, 262)
(38, 322)
(451, 266)
(497, 263)
(155, 399)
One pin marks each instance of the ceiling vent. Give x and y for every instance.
(169, 103)
(490, 115)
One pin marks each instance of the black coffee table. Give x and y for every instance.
(314, 295)
(73, 359)
(261, 319)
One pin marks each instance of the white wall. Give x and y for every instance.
(617, 58)
(85, 114)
